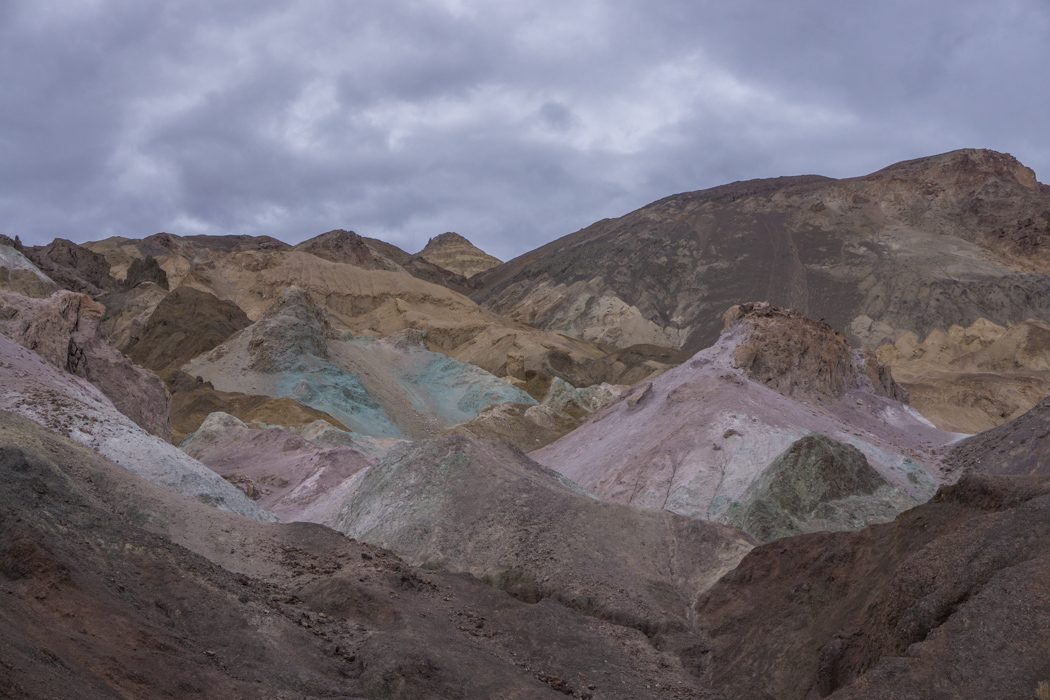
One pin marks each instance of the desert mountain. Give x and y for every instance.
(697, 439)
(252, 273)
(949, 600)
(452, 252)
(920, 245)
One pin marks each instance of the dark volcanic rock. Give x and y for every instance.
(1021, 447)
(186, 323)
(815, 484)
(145, 270)
(949, 600)
(73, 266)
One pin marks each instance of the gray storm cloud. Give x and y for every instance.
(510, 124)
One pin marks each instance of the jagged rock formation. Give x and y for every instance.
(456, 254)
(72, 407)
(948, 600)
(73, 266)
(467, 505)
(916, 246)
(383, 388)
(695, 439)
(1020, 447)
(113, 587)
(64, 330)
(186, 323)
(816, 484)
(348, 247)
(18, 274)
(975, 378)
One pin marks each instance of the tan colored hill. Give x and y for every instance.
(919, 245)
(455, 253)
(972, 379)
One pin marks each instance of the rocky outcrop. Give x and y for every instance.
(914, 247)
(145, 269)
(816, 484)
(73, 266)
(949, 599)
(802, 358)
(18, 274)
(456, 254)
(64, 330)
(186, 323)
(467, 505)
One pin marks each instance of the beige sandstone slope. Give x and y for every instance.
(455, 253)
(916, 246)
(974, 378)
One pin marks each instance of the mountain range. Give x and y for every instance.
(783, 438)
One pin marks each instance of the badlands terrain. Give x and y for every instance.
(782, 438)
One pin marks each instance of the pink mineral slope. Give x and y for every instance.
(73, 407)
(692, 440)
(292, 474)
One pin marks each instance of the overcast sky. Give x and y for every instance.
(512, 123)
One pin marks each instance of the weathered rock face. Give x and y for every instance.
(186, 323)
(803, 358)
(468, 505)
(696, 438)
(1020, 447)
(73, 266)
(949, 599)
(113, 587)
(816, 484)
(975, 378)
(70, 406)
(19, 275)
(456, 254)
(917, 246)
(64, 330)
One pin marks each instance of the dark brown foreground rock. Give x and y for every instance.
(949, 601)
(112, 587)
(1020, 447)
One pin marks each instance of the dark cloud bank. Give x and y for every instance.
(512, 123)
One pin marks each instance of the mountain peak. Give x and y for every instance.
(963, 164)
(455, 253)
